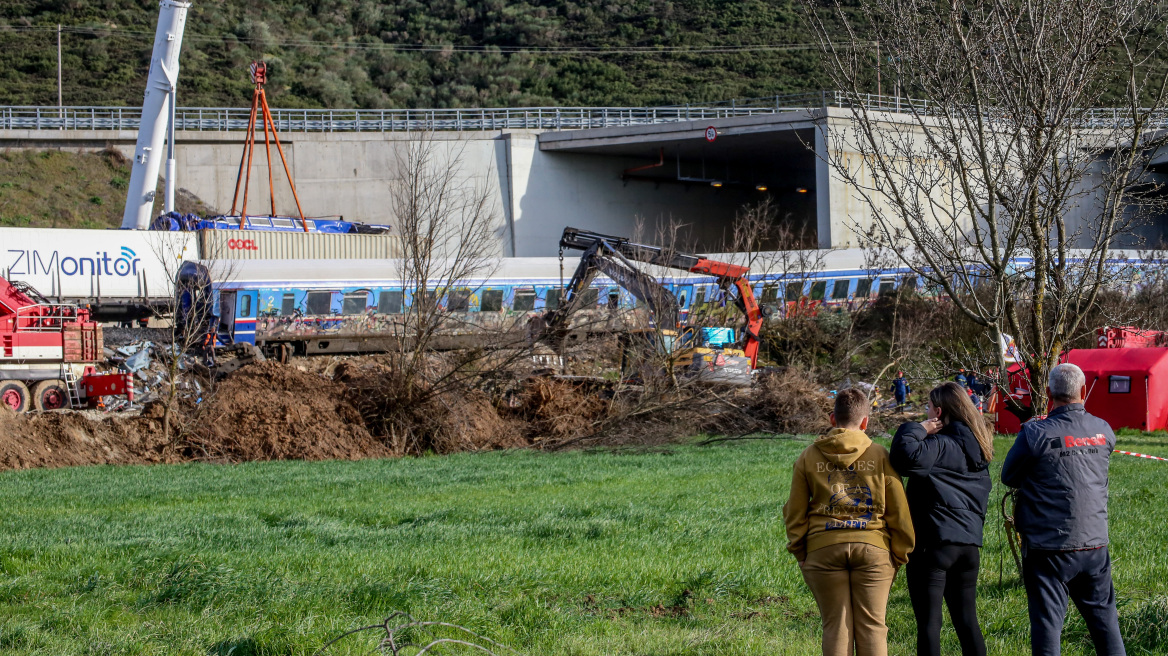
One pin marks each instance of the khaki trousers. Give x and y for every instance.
(851, 582)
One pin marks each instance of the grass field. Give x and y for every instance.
(677, 551)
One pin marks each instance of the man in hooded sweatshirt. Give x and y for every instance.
(849, 527)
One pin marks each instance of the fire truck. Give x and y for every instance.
(48, 353)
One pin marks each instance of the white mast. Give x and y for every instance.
(157, 110)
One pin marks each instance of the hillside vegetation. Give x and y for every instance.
(224, 36)
(54, 189)
(63, 189)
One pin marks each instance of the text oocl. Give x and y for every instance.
(242, 245)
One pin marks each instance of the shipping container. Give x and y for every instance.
(258, 245)
(118, 273)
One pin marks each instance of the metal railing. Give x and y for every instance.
(44, 317)
(387, 120)
(211, 119)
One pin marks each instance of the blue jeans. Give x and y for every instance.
(1083, 576)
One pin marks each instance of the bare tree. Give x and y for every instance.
(780, 256)
(998, 184)
(449, 224)
(190, 311)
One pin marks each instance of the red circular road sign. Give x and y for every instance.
(711, 134)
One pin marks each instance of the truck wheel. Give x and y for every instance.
(50, 395)
(14, 395)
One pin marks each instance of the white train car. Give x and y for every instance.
(120, 275)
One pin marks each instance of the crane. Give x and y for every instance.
(157, 124)
(48, 352)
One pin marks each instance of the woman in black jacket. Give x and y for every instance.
(946, 460)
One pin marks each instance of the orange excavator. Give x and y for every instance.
(716, 354)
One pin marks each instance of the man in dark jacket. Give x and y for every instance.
(1059, 466)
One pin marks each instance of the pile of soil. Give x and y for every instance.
(269, 411)
(414, 419)
(355, 408)
(61, 439)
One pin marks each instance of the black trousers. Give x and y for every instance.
(1083, 576)
(949, 572)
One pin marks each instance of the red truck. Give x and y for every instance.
(47, 353)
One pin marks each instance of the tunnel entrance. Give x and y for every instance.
(652, 180)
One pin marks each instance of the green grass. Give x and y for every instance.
(58, 189)
(677, 551)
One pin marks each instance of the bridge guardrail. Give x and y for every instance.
(372, 120)
(467, 119)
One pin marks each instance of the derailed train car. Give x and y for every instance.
(357, 306)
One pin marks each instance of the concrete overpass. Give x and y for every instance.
(607, 169)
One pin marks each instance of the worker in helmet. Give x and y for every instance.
(900, 390)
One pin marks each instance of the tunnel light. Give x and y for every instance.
(800, 190)
(760, 187)
(716, 183)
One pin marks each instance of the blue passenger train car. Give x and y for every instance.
(346, 306)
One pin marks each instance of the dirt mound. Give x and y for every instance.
(414, 417)
(269, 411)
(60, 439)
(362, 407)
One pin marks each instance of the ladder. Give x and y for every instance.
(71, 385)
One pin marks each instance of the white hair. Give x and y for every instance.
(1066, 382)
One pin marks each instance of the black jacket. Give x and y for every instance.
(948, 482)
(1059, 465)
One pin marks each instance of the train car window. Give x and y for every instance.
(863, 287)
(288, 305)
(770, 294)
(390, 302)
(794, 291)
(552, 299)
(354, 303)
(699, 298)
(245, 305)
(590, 298)
(681, 300)
(524, 301)
(458, 300)
(319, 302)
(818, 290)
(840, 291)
(887, 287)
(492, 300)
(282, 223)
(909, 283)
(613, 300)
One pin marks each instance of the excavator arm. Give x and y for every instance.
(601, 258)
(614, 257)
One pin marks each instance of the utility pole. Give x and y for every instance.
(60, 105)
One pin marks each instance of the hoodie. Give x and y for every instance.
(948, 482)
(844, 489)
